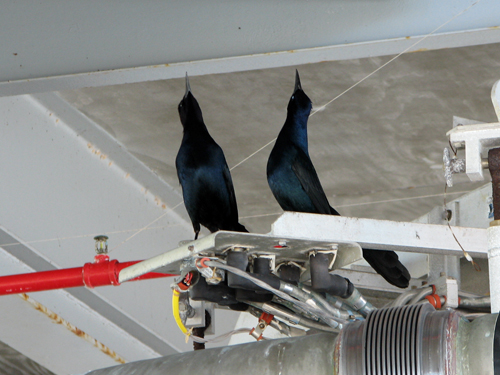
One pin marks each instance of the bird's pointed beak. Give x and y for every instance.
(298, 86)
(188, 87)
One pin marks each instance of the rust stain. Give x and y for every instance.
(419, 50)
(494, 27)
(164, 206)
(57, 120)
(407, 37)
(127, 175)
(104, 156)
(57, 319)
(167, 65)
(89, 145)
(110, 163)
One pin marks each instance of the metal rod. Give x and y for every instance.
(494, 167)
(172, 256)
(100, 273)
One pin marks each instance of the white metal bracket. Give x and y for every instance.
(477, 139)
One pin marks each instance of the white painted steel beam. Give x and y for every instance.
(248, 62)
(66, 180)
(53, 38)
(383, 234)
(495, 98)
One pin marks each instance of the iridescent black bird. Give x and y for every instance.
(203, 173)
(296, 186)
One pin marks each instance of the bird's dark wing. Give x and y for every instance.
(230, 191)
(305, 172)
(387, 264)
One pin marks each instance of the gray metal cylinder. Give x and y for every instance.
(494, 264)
(418, 340)
(409, 340)
(312, 354)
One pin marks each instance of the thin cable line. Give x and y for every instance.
(263, 215)
(172, 225)
(365, 78)
(83, 236)
(256, 152)
(401, 199)
(394, 58)
(144, 228)
(368, 203)
(320, 108)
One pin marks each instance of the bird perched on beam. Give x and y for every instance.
(296, 186)
(206, 182)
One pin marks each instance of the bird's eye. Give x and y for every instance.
(293, 96)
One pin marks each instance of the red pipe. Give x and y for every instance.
(101, 272)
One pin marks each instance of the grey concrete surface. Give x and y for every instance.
(377, 148)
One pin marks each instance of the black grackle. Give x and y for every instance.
(296, 186)
(206, 182)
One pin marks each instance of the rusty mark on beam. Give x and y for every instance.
(419, 50)
(57, 319)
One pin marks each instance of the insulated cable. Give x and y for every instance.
(316, 310)
(176, 312)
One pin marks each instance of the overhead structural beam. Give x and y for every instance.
(251, 62)
(69, 162)
(384, 234)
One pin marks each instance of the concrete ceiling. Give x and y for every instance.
(377, 149)
(90, 131)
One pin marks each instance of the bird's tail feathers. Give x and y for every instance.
(333, 211)
(239, 228)
(387, 264)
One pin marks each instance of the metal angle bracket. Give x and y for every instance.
(447, 286)
(198, 318)
(283, 248)
(476, 139)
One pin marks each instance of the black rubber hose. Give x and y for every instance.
(323, 282)
(253, 296)
(239, 259)
(290, 273)
(262, 266)
(220, 293)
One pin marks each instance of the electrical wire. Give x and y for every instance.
(176, 312)
(182, 327)
(403, 298)
(324, 315)
(424, 292)
(260, 283)
(221, 337)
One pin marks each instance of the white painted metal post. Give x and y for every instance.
(494, 264)
(495, 98)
